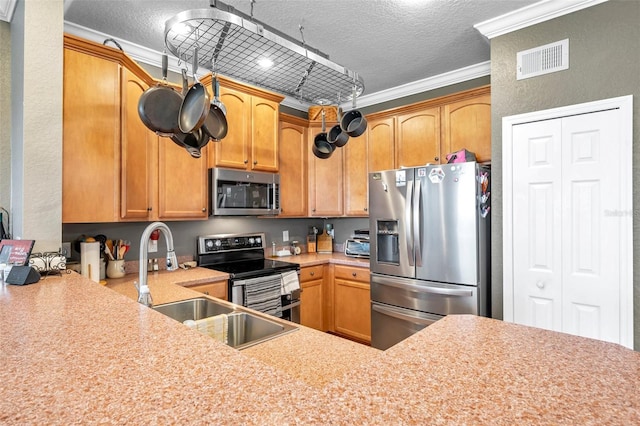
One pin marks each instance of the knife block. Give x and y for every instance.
(324, 243)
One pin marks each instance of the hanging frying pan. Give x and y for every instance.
(159, 105)
(216, 122)
(321, 147)
(193, 141)
(195, 105)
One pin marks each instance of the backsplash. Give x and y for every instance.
(185, 233)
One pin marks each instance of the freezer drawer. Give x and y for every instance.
(424, 296)
(391, 324)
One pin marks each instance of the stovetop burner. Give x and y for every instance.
(239, 255)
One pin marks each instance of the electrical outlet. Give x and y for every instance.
(285, 236)
(153, 246)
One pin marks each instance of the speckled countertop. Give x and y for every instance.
(73, 351)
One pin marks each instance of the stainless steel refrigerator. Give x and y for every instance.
(430, 247)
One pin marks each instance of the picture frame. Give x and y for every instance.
(16, 252)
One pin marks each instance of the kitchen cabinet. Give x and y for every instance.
(427, 131)
(293, 160)
(326, 180)
(132, 171)
(356, 200)
(467, 124)
(311, 297)
(91, 144)
(151, 188)
(251, 142)
(215, 289)
(418, 137)
(352, 302)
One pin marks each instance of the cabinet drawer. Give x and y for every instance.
(216, 289)
(311, 273)
(352, 273)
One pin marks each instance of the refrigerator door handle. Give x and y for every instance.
(405, 317)
(417, 214)
(408, 227)
(427, 289)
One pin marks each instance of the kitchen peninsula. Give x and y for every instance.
(77, 352)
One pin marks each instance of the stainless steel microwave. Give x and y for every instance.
(241, 193)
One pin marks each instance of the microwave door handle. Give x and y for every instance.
(408, 227)
(417, 241)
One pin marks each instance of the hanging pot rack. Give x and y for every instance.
(236, 42)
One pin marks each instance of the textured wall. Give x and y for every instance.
(604, 46)
(36, 122)
(5, 116)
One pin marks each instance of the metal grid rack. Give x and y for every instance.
(235, 43)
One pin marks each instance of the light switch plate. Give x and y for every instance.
(285, 235)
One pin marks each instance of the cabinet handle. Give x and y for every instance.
(149, 209)
(312, 273)
(366, 209)
(437, 159)
(353, 274)
(206, 292)
(204, 209)
(246, 161)
(255, 162)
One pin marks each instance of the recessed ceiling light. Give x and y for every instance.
(265, 62)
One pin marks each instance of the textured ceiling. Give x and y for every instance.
(389, 43)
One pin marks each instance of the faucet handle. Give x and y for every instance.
(172, 261)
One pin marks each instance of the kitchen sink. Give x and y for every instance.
(244, 329)
(193, 309)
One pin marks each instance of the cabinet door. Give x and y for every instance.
(264, 135)
(293, 170)
(356, 180)
(233, 150)
(139, 153)
(217, 289)
(91, 143)
(381, 139)
(311, 304)
(467, 124)
(418, 140)
(182, 183)
(325, 182)
(352, 303)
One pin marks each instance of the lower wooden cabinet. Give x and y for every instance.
(216, 289)
(352, 303)
(311, 298)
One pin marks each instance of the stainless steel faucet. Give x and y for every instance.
(144, 295)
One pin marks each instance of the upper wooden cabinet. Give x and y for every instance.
(114, 168)
(356, 200)
(426, 132)
(326, 180)
(467, 124)
(293, 167)
(91, 144)
(418, 137)
(251, 142)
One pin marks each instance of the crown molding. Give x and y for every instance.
(531, 15)
(6, 9)
(151, 57)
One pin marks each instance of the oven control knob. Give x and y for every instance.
(208, 243)
(217, 243)
(251, 240)
(258, 241)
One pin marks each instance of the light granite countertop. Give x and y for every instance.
(73, 351)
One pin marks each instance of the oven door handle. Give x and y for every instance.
(291, 305)
(405, 317)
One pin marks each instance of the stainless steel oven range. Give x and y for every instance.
(265, 285)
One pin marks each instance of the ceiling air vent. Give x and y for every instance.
(543, 59)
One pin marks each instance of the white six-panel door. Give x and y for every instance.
(569, 224)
